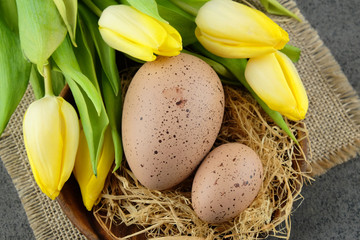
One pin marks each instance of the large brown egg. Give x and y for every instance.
(226, 182)
(172, 114)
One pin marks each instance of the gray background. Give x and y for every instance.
(331, 209)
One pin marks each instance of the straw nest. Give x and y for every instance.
(169, 213)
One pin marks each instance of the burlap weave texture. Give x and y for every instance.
(333, 123)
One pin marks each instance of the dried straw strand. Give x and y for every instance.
(169, 213)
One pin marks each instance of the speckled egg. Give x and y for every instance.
(226, 182)
(172, 114)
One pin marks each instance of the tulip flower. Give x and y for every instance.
(276, 81)
(51, 136)
(91, 185)
(233, 30)
(130, 31)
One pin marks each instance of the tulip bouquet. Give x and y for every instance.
(52, 43)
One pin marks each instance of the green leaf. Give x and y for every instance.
(14, 74)
(190, 6)
(94, 124)
(65, 59)
(237, 68)
(85, 53)
(93, 117)
(219, 68)
(106, 53)
(37, 82)
(95, 9)
(102, 4)
(41, 29)
(58, 82)
(149, 7)
(68, 12)
(292, 52)
(183, 22)
(274, 7)
(8, 14)
(113, 105)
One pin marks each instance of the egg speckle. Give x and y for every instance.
(172, 114)
(226, 182)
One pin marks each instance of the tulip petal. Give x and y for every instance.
(43, 142)
(70, 132)
(133, 25)
(137, 34)
(51, 130)
(124, 45)
(295, 84)
(248, 27)
(265, 76)
(96, 184)
(247, 24)
(91, 185)
(172, 44)
(234, 50)
(83, 168)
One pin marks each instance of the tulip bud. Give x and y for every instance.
(233, 30)
(51, 136)
(137, 34)
(91, 185)
(276, 81)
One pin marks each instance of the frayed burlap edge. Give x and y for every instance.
(340, 85)
(12, 153)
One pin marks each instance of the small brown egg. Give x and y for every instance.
(226, 182)
(172, 114)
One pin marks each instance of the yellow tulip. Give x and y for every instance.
(91, 185)
(276, 81)
(51, 135)
(233, 30)
(137, 34)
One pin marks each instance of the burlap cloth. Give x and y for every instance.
(332, 120)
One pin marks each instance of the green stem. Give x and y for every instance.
(92, 7)
(102, 4)
(186, 7)
(125, 2)
(47, 80)
(292, 52)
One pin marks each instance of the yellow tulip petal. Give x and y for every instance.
(249, 27)
(37, 176)
(137, 34)
(96, 184)
(239, 50)
(125, 45)
(247, 24)
(133, 25)
(266, 78)
(169, 48)
(83, 170)
(70, 132)
(91, 185)
(82, 161)
(276, 81)
(172, 44)
(45, 144)
(295, 84)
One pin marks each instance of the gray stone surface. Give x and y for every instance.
(13, 221)
(331, 206)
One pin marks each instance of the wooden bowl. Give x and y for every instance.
(70, 199)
